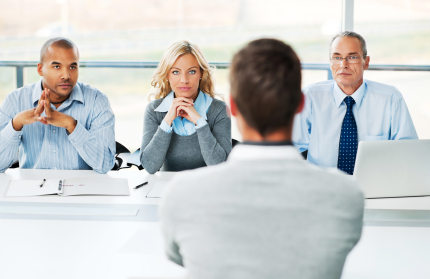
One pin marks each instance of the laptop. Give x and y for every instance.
(393, 168)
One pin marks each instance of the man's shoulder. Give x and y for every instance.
(381, 88)
(188, 182)
(90, 91)
(333, 176)
(322, 86)
(197, 183)
(26, 90)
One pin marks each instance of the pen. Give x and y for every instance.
(140, 185)
(43, 182)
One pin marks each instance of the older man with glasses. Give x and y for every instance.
(341, 112)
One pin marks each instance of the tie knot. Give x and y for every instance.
(349, 101)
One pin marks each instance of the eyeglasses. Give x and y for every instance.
(351, 59)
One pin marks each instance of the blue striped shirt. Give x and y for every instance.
(90, 146)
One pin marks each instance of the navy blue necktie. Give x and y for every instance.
(348, 139)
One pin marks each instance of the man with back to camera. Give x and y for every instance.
(57, 123)
(341, 112)
(265, 212)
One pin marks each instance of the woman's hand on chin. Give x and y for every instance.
(189, 112)
(173, 111)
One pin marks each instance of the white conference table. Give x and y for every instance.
(37, 244)
(395, 242)
(34, 244)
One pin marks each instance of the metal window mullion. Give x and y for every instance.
(347, 15)
(19, 76)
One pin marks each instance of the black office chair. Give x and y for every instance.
(121, 155)
(15, 165)
(305, 154)
(234, 142)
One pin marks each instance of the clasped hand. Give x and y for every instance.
(183, 107)
(52, 117)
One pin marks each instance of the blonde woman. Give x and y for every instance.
(185, 127)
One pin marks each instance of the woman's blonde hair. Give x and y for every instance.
(159, 78)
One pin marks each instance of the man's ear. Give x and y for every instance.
(39, 69)
(301, 104)
(366, 62)
(233, 107)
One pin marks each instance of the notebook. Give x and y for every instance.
(103, 186)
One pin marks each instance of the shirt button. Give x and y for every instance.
(55, 168)
(53, 131)
(71, 141)
(55, 150)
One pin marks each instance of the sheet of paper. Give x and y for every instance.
(25, 188)
(157, 190)
(103, 186)
(64, 210)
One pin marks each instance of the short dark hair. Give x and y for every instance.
(351, 34)
(265, 80)
(58, 42)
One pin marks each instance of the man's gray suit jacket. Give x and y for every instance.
(264, 213)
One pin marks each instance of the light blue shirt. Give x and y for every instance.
(379, 111)
(40, 146)
(183, 126)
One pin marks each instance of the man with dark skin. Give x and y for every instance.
(57, 123)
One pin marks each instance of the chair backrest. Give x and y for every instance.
(234, 142)
(305, 154)
(121, 156)
(15, 165)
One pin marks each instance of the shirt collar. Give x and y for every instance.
(201, 104)
(166, 103)
(358, 95)
(75, 95)
(247, 152)
(268, 143)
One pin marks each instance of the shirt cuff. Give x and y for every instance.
(10, 135)
(200, 123)
(79, 135)
(165, 127)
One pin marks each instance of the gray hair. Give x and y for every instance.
(352, 34)
(58, 42)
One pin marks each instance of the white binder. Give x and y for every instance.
(99, 186)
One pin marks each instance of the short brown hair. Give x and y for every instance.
(265, 80)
